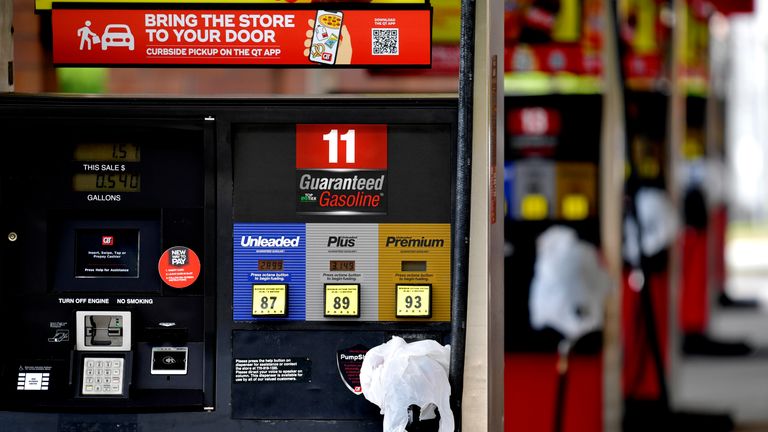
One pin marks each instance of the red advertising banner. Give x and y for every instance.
(729, 7)
(552, 58)
(242, 37)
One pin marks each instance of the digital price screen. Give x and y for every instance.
(342, 300)
(107, 152)
(413, 266)
(270, 265)
(107, 253)
(103, 182)
(347, 266)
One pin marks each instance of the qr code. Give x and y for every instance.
(385, 41)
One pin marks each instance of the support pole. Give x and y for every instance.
(480, 107)
(6, 46)
(611, 177)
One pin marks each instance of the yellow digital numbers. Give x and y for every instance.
(342, 300)
(413, 301)
(270, 300)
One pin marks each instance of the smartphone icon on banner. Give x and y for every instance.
(326, 36)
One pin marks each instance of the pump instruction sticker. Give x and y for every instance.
(179, 267)
(273, 370)
(341, 169)
(292, 37)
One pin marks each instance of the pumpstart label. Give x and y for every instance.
(341, 169)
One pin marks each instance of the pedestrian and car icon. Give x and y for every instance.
(114, 35)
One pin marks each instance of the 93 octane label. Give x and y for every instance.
(414, 301)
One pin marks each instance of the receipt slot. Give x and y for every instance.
(198, 265)
(103, 331)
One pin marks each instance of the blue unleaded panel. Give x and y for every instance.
(285, 243)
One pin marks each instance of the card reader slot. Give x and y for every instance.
(103, 330)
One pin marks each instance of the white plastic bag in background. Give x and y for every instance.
(658, 220)
(398, 374)
(569, 284)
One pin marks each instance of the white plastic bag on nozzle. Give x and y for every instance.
(397, 374)
(658, 220)
(569, 284)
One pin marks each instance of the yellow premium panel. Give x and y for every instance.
(576, 190)
(415, 255)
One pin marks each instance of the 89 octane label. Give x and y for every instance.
(342, 300)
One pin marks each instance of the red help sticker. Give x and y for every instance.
(342, 146)
(179, 267)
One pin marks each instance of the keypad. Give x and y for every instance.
(103, 376)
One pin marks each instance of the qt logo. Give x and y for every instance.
(107, 240)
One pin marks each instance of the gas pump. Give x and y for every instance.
(106, 275)
(204, 265)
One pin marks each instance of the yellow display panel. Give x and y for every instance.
(575, 190)
(106, 182)
(413, 301)
(414, 255)
(342, 300)
(107, 152)
(270, 300)
(575, 207)
(446, 21)
(534, 207)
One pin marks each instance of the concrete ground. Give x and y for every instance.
(736, 385)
